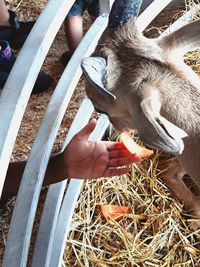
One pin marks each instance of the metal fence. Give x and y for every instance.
(57, 212)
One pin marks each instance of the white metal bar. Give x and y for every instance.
(50, 213)
(45, 234)
(105, 6)
(17, 90)
(48, 223)
(183, 20)
(69, 203)
(174, 3)
(150, 13)
(16, 251)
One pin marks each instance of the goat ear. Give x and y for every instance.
(159, 132)
(185, 38)
(94, 70)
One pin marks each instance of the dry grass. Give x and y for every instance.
(156, 232)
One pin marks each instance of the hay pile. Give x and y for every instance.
(156, 232)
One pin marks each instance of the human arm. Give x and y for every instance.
(82, 159)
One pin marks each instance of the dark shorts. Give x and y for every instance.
(78, 8)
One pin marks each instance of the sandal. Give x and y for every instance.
(7, 59)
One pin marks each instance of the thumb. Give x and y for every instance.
(87, 130)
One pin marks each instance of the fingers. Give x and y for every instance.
(86, 131)
(114, 145)
(117, 162)
(116, 172)
(117, 153)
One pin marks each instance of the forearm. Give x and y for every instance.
(56, 170)
(13, 179)
(55, 173)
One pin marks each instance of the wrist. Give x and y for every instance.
(57, 167)
(62, 168)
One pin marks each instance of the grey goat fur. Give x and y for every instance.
(144, 84)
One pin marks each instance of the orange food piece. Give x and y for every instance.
(114, 211)
(134, 148)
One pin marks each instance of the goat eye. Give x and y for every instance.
(97, 110)
(100, 111)
(102, 54)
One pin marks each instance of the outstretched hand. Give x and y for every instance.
(80, 159)
(92, 159)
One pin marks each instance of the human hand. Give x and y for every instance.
(92, 159)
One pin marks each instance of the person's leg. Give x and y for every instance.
(4, 14)
(73, 31)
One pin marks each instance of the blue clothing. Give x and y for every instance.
(78, 8)
(120, 13)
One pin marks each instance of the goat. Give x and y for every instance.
(144, 84)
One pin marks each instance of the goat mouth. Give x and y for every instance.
(164, 135)
(164, 128)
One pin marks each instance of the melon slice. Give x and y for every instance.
(114, 212)
(134, 148)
